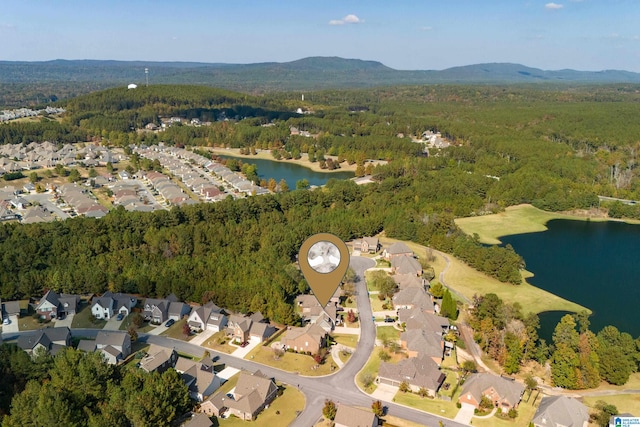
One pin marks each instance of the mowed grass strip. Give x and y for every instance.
(469, 282)
(626, 403)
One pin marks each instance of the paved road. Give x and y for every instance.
(340, 387)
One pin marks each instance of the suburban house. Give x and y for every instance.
(410, 298)
(410, 281)
(178, 310)
(348, 416)
(252, 393)
(49, 339)
(424, 320)
(505, 393)
(199, 378)
(313, 312)
(310, 338)
(369, 245)
(10, 308)
(158, 359)
(418, 342)
(198, 420)
(406, 265)
(207, 317)
(52, 305)
(243, 328)
(115, 346)
(397, 249)
(110, 304)
(418, 372)
(156, 310)
(561, 411)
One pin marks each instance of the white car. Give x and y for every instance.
(6, 321)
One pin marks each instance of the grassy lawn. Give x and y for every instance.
(28, 323)
(344, 357)
(84, 319)
(389, 421)
(346, 304)
(372, 366)
(435, 406)
(525, 414)
(629, 403)
(175, 331)
(346, 339)
(291, 362)
(450, 361)
(452, 380)
(219, 342)
(387, 332)
(376, 304)
(514, 220)
(281, 412)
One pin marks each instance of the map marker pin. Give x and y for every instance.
(324, 260)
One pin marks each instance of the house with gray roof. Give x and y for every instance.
(349, 416)
(397, 249)
(423, 320)
(49, 339)
(115, 346)
(110, 304)
(406, 265)
(418, 372)
(418, 342)
(410, 298)
(561, 411)
(505, 393)
(198, 420)
(158, 359)
(200, 378)
(369, 245)
(156, 310)
(52, 305)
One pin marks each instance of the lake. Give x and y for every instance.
(595, 264)
(291, 172)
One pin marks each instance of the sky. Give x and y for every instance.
(402, 34)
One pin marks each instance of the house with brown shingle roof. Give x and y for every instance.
(418, 342)
(369, 245)
(251, 394)
(410, 298)
(561, 411)
(348, 416)
(418, 372)
(397, 249)
(309, 338)
(406, 265)
(505, 393)
(158, 359)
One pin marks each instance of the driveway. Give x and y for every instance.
(113, 324)
(11, 327)
(158, 330)
(241, 352)
(202, 337)
(385, 393)
(61, 323)
(227, 373)
(465, 414)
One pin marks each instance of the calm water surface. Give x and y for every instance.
(291, 172)
(596, 264)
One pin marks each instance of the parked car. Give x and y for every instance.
(388, 320)
(120, 316)
(6, 321)
(169, 322)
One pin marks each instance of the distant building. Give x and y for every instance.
(132, 86)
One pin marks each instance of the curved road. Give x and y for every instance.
(339, 387)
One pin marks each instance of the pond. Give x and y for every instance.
(291, 172)
(595, 264)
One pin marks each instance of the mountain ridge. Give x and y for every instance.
(311, 73)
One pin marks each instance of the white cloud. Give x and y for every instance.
(553, 6)
(349, 19)
(5, 26)
(426, 28)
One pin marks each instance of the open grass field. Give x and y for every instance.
(434, 406)
(291, 362)
(387, 333)
(467, 281)
(626, 403)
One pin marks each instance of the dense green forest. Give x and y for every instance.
(74, 388)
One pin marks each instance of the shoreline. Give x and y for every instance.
(303, 161)
(522, 219)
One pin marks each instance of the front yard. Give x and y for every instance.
(388, 333)
(281, 412)
(525, 415)
(292, 362)
(434, 406)
(176, 331)
(346, 339)
(85, 320)
(219, 342)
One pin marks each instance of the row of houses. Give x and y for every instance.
(81, 201)
(36, 155)
(18, 113)
(169, 190)
(133, 196)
